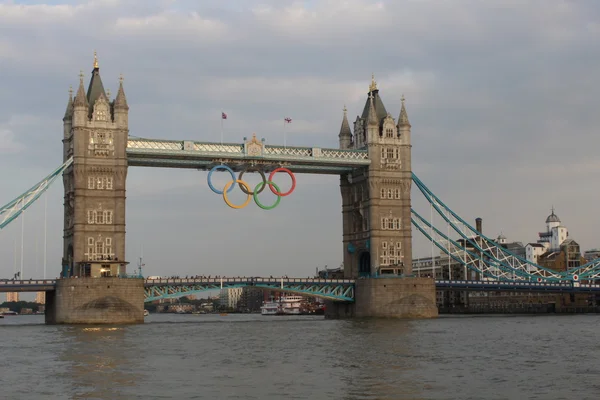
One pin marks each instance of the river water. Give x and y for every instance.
(257, 357)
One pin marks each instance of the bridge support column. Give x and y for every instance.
(96, 301)
(388, 298)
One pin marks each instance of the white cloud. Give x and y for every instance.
(8, 143)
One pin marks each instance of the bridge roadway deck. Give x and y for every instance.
(36, 285)
(203, 156)
(526, 286)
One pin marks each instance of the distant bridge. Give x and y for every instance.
(330, 289)
(168, 288)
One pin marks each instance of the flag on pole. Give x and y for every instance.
(223, 115)
(288, 120)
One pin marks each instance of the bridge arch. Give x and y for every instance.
(364, 264)
(333, 289)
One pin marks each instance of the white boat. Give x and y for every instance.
(292, 304)
(270, 308)
(287, 305)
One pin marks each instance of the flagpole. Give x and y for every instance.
(221, 127)
(284, 135)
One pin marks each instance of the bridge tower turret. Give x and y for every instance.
(95, 135)
(376, 200)
(345, 135)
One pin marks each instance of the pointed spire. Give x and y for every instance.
(403, 118)
(345, 129)
(373, 85)
(372, 119)
(80, 98)
(121, 100)
(96, 88)
(69, 110)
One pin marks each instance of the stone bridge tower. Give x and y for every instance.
(95, 135)
(376, 203)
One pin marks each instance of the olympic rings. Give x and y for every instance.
(262, 175)
(262, 186)
(287, 171)
(216, 168)
(246, 188)
(242, 183)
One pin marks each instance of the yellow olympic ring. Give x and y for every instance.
(245, 185)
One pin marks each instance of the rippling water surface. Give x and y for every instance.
(255, 357)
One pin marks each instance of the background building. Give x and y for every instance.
(12, 297)
(229, 298)
(250, 300)
(40, 297)
(554, 249)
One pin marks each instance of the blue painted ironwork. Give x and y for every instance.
(331, 289)
(10, 211)
(503, 286)
(501, 257)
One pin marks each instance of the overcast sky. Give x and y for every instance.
(502, 96)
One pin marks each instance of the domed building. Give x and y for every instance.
(554, 249)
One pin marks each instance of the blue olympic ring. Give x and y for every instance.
(216, 168)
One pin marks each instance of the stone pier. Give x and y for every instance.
(388, 298)
(108, 300)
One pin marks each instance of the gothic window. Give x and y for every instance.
(389, 132)
(390, 153)
(101, 114)
(107, 216)
(100, 182)
(394, 224)
(398, 245)
(99, 249)
(101, 143)
(389, 193)
(396, 153)
(396, 193)
(384, 245)
(383, 153)
(100, 216)
(382, 193)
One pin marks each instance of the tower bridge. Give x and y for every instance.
(375, 169)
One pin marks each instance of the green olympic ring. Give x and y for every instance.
(257, 191)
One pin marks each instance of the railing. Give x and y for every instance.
(233, 150)
(241, 279)
(12, 282)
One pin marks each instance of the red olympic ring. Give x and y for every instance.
(287, 171)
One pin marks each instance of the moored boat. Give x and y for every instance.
(286, 305)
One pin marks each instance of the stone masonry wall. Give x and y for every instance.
(388, 298)
(97, 301)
